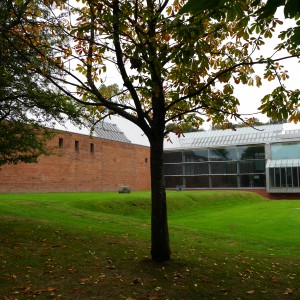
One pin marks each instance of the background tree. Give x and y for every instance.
(173, 68)
(28, 102)
(250, 122)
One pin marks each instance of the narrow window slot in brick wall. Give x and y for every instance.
(61, 142)
(76, 145)
(92, 148)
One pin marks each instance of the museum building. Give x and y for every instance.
(265, 157)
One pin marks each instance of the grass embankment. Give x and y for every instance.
(225, 245)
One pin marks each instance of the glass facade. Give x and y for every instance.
(285, 170)
(229, 167)
(285, 151)
(284, 177)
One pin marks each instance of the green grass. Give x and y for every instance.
(225, 245)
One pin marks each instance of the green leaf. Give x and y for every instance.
(296, 36)
(255, 3)
(196, 6)
(292, 8)
(269, 9)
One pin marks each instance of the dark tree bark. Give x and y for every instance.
(160, 246)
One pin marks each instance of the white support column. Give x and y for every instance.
(267, 157)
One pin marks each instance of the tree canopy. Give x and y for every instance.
(266, 11)
(28, 102)
(172, 67)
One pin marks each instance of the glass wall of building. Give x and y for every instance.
(285, 150)
(284, 177)
(284, 166)
(230, 167)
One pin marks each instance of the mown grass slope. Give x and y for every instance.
(225, 245)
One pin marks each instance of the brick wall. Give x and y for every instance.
(110, 165)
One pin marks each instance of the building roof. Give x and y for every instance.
(102, 130)
(110, 131)
(245, 135)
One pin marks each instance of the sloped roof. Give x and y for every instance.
(102, 130)
(245, 135)
(110, 131)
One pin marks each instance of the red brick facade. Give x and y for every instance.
(96, 165)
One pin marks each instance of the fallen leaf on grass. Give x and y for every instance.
(72, 271)
(250, 292)
(26, 289)
(85, 280)
(136, 281)
(288, 291)
(15, 292)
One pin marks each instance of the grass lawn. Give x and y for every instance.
(225, 245)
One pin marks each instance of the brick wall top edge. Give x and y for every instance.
(60, 131)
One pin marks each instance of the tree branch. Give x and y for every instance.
(139, 120)
(220, 74)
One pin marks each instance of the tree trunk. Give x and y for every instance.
(160, 246)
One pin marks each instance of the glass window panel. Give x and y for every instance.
(224, 181)
(197, 182)
(251, 152)
(283, 177)
(222, 154)
(252, 166)
(272, 177)
(289, 180)
(172, 157)
(295, 177)
(194, 169)
(253, 180)
(173, 169)
(173, 181)
(277, 177)
(195, 156)
(282, 151)
(223, 168)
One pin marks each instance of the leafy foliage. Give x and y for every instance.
(28, 102)
(266, 11)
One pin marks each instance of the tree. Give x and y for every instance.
(250, 122)
(173, 68)
(266, 11)
(27, 101)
